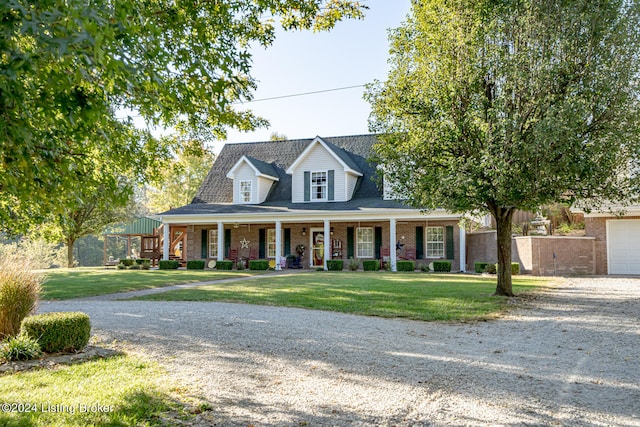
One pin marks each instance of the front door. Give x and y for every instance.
(317, 247)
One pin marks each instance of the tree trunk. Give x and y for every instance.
(70, 243)
(503, 217)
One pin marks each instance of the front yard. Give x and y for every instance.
(419, 296)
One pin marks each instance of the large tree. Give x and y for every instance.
(495, 106)
(70, 68)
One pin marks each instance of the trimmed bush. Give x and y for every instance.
(58, 332)
(425, 268)
(20, 347)
(354, 264)
(405, 265)
(195, 265)
(515, 268)
(19, 295)
(442, 266)
(127, 262)
(224, 265)
(258, 264)
(480, 267)
(121, 266)
(168, 264)
(491, 268)
(371, 265)
(141, 261)
(134, 267)
(145, 265)
(335, 264)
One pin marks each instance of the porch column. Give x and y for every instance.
(463, 249)
(392, 245)
(327, 243)
(220, 241)
(165, 241)
(278, 244)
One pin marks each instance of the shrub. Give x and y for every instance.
(142, 261)
(121, 266)
(58, 332)
(405, 265)
(491, 268)
(134, 267)
(195, 265)
(20, 347)
(442, 266)
(168, 264)
(425, 268)
(335, 264)
(224, 265)
(19, 294)
(515, 268)
(240, 265)
(354, 264)
(145, 265)
(258, 264)
(127, 262)
(371, 265)
(480, 267)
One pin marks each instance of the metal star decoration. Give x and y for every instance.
(244, 243)
(399, 246)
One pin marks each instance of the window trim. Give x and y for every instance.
(440, 243)
(270, 245)
(213, 243)
(242, 193)
(313, 186)
(360, 243)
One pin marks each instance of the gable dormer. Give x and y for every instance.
(323, 172)
(252, 180)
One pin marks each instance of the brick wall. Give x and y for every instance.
(597, 228)
(481, 247)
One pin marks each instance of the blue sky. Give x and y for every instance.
(353, 53)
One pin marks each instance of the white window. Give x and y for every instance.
(364, 242)
(245, 191)
(435, 242)
(318, 186)
(271, 243)
(213, 243)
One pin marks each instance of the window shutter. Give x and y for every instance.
(350, 240)
(449, 242)
(287, 241)
(227, 240)
(330, 181)
(262, 243)
(419, 242)
(205, 243)
(378, 241)
(307, 186)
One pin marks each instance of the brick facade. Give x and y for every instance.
(596, 227)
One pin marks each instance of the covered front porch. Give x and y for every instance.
(315, 239)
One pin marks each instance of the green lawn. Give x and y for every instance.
(116, 391)
(417, 296)
(84, 282)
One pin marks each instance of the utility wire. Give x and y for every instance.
(299, 94)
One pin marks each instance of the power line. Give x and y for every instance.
(299, 94)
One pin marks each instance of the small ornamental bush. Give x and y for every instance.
(491, 268)
(224, 265)
(371, 265)
(145, 265)
(335, 264)
(19, 295)
(20, 347)
(168, 264)
(425, 268)
(142, 261)
(195, 265)
(442, 266)
(134, 267)
(127, 262)
(405, 265)
(480, 267)
(515, 268)
(258, 264)
(58, 332)
(121, 266)
(354, 264)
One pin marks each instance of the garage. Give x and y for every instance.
(623, 246)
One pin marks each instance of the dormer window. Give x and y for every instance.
(245, 191)
(319, 186)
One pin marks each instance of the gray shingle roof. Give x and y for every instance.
(264, 167)
(355, 150)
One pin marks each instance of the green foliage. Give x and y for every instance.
(371, 265)
(425, 268)
(145, 265)
(58, 332)
(20, 347)
(335, 264)
(442, 266)
(127, 262)
(142, 261)
(405, 265)
(354, 264)
(225, 265)
(134, 266)
(515, 268)
(258, 264)
(70, 70)
(491, 268)
(498, 106)
(19, 294)
(168, 264)
(121, 266)
(36, 251)
(195, 265)
(480, 266)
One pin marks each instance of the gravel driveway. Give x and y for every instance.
(568, 357)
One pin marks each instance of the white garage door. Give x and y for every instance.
(623, 244)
